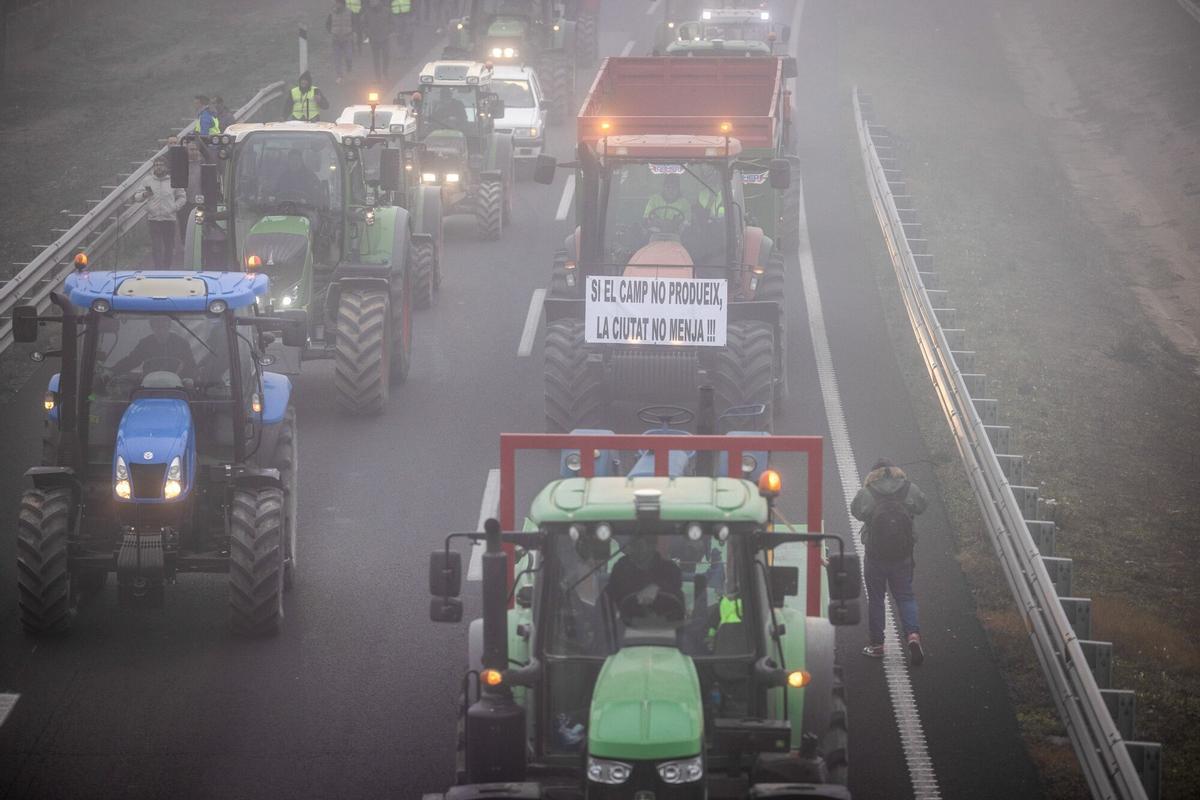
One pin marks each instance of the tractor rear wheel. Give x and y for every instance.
(770, 288)
(835, 744)
(43, 576)
(789, 213)
(425, 283)
(574, 393)
(489, 209)
(562, 88)
(743, 371)
(402, 334)
(285, 460)
(256, 561)
(587, 40)
(362, 359)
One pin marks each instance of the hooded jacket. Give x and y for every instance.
(318, 97)
(161, 200)
(885, 481)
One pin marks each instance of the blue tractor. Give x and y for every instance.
(167, 447)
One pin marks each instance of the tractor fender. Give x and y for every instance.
(277, 394)
(499, 153)
(428, 214)
(257, 478)
(819, 661)
(758, 247)
(46, 478)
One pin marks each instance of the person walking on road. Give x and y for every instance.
(305, 101)
(402, 22)
(162, 204)
(378, 20)
(206, 121)
(886, 504)
(340, 24)
(224, 113)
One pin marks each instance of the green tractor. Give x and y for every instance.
(666, 634)
(533, 32)
(290, 199)
(469, 162)
(725, 32)
(396, 126)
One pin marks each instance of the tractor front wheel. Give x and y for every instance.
(743, 371)
(489, 210)
(43, 576)
(425, 283)
(587, 40)
(256, 561)
(363, 356)
(574, 393)
(286, 460)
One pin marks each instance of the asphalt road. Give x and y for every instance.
(356, 697)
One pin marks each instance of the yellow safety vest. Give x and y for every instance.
(730, 611)
(657, 201)
(302, 101)
(355, 6)
(713, 203)
(401, 6)
(213, 129)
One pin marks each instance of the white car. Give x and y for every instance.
(524, 114)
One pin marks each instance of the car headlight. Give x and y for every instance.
(173, 486)
(452, 177)
(121, 486)
(601, 770)
(688, 770)
(429, 177)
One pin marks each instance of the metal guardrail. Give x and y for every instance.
(1192, 7)
(1106, 758)
(107, 221)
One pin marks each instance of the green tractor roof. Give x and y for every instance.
(683, 499)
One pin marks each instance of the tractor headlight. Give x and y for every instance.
(574, 461)
(428, 177)
(173, 486)
(497, 52)
(49, 401)
(256, 404)
(689, 770)
(604, 531)
(695, 531)
(602, 770)
(749, 463)
(121, 487)
(452, 177)
(510, 52)
(286, 300)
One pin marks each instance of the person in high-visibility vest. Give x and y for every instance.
(668, 206)
(356, 21)
(712, 202)
(305, 101)
(207, 123)
(402, 16)
(342, 29)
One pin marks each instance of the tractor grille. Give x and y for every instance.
(655, 372)
(147, 480)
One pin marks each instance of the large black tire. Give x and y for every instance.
(402, 333)
(362, 359)
(574, 393)
(788, 235)
(425, 281)
(43, 576)
(587, 39)
(743, 371)
(256, 561)
(489, 209)
(287, 460)
(771, 287)
(835, 745)
(561, 88)
(559, 289)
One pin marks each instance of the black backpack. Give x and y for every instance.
(891, 527)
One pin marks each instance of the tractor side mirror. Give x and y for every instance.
(25, 324)
(543, 170)
(177, 158)
(210, 183)
(389, 170)
(844, 612)
(445, 573)
(784, 35)
(781, 173)
(785, 582)
(445, 609)
(494, 105)
(845, 576)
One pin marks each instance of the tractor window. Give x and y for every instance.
(450, 108)
(161, 350)
(651, 205)
(515, 93)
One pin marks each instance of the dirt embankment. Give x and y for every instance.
(1051, 147)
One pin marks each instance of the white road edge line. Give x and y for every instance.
(895, 668)
(628, 48)
(568, 195)
(653, 7)
(488, 507)
(531, 322)
(7, 701)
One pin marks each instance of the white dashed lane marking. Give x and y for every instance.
(568, 195)
(531, 323)
(7, 701)
(488, 507)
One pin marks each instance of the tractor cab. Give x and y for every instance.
(160, 408)
(726, 32)
(506, 31)
(668, 635)
(456, 103)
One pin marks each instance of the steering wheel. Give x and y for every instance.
(665, 416)
(667, 216)
(295, 208)
(162, 364)
(629, 607)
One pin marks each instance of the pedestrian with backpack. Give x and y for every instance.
(886, 504)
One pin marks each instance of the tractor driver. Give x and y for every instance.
(448, 110)
(668, 207)
(643, 573)
(162, 349)
(297, 183)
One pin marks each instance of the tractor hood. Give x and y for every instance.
(283, 245)
(506, 28)
(665, 258)
(154, 431)
(646, 706)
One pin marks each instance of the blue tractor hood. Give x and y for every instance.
(154, 431)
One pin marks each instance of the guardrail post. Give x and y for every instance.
(999, 435)
(964, 360)
(956, 338)
(1147, 759)
(1014, 468)
(1099, 657)
(303, 40)
(1079, 614)
(1043, 532)
(1122, 707)
(988, 409)
(977, 387)
(1027, 499)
